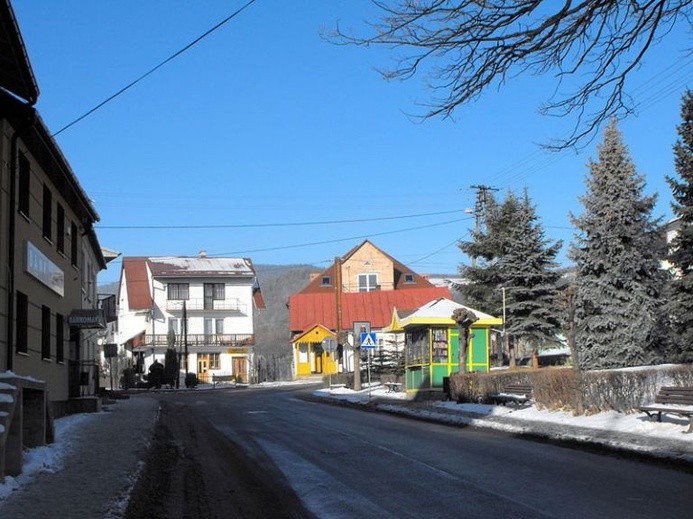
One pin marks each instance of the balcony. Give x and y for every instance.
(197, 305)
(225, 340)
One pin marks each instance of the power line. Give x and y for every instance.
(260, 225)
(364, 236)
(170, 58)
(337, 240)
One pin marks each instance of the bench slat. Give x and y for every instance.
(675, 401)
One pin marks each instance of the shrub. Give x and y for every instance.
(127, 379)
(191, 380)
(577, 392)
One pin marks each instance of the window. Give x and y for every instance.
(209, 323)
(213, 292)
(24, 185)
(417, 347)
(59, 333)
(178, 291)
(47, 213)
(214, 362)
(60, 229)
(174, 325)
(409, 278)
(73, 244)
(22, 322)
(45, 332)
(326, 280)
(219, 325)
(83, 266)
(91, 292)
(368, 282)
(439, 336)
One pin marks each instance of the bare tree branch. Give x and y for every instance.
(466, 46)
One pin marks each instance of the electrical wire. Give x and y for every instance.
(260, 225)
(324, 242)
(151, 71)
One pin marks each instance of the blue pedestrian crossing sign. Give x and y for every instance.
(368, 340)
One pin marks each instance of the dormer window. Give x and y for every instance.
(326, 280)
(409, 278)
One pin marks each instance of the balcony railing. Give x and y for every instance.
(195, 305)
(228, 340)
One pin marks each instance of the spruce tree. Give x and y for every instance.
(680, 306)
(481, 290)
(530, 275)
(617, 254)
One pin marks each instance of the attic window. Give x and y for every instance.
(326, 280)
(409, 278)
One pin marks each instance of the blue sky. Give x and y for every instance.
(265, 123)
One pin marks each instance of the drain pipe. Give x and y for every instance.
(11, 233)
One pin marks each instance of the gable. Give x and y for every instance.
(368, 258)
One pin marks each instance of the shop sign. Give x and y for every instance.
(86, 318)
(43, 269)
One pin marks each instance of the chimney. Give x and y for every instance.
(203, 254)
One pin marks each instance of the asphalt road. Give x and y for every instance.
(344, 462)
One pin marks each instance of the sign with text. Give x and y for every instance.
(43, 269)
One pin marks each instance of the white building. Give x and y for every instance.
(217, 295)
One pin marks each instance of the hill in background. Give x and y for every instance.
(277, 283)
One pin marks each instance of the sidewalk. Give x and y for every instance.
(90, 469)
(634, 432)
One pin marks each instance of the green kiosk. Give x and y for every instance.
(432, 343)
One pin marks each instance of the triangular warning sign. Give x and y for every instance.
(368, 341)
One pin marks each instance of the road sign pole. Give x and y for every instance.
(370, 356)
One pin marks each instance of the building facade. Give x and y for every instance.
(361, 289)
(49, 252)
(200, 307)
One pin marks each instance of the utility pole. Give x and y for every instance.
(185, 341)
(480, 204)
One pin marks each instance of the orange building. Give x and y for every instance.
(363, 286)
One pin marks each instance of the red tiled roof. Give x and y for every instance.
(258, 299)
(135, 271)
(306, 310)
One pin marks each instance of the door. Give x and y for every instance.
(203, 367)
(240, 369)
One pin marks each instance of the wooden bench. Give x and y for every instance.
(516, 394)
(222, 378)
(673, 400)
(393, 387)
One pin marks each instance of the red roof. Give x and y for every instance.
(135, 271)
(307, 310)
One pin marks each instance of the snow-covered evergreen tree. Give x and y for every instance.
(530, 275)
(680, 307)
(617, 254)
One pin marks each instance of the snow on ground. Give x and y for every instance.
(47, 458)
(613, 429)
